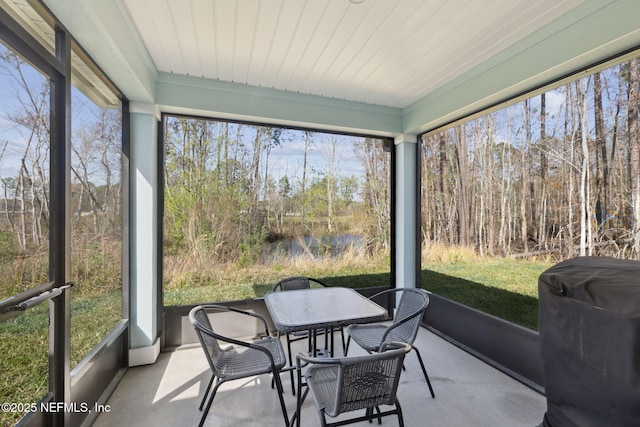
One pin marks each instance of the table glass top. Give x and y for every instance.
(322, 307)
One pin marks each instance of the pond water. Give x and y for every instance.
(313, 247)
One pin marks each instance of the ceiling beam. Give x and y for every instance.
(198, 96)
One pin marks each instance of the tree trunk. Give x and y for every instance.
(523, 178)
(542, 233)
(584, 171)
(602, 163)
(634, 152)
(307, 144)
(254, 208)
(463, 201)
(331, 187)
(442, 217)
(490, 201)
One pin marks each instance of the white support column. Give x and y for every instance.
(144, 287)
(406, 208)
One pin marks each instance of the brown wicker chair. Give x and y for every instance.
(239, 359)
(404, 328)
(346, 384)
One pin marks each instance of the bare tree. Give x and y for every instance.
(634, 151)
(542, 233)
(30, 118)
(526, 138)
(375, 186)
(308, 139)
(601, 157)
(584, 193)
(331, 183)
(464, 232)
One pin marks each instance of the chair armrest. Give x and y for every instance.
(394, 345)
(385, 346)
(246, 344)
(240, 311)
(386, 291)
(390, 291)
(315, 360)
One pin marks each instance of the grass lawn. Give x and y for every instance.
(24, 346)
(503, 287)
(257, 281)
(24, 361)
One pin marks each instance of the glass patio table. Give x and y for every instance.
(321, 308)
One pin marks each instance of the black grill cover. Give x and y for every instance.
(589, 327)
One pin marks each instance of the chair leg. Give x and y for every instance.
(323, 418)
(206, 411)
(330, 330)
(424, 371)
(213, 377)
(301, 397)
(369, 414)
(276, 375)
(399, 410)
(314, 334)
(346, 349)
(293, 384)
(326, 340)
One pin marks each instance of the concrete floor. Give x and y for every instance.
(468, 393)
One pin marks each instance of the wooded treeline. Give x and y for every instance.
(555, 174)
(230, 189)
(25, 179)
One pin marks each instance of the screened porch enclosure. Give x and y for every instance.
(94, 97)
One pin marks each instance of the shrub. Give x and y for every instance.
(8, 245)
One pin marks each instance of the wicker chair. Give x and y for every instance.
(239, 359)
(299, 283)
(404, 328)
(340, 385)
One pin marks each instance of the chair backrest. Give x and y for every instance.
(406, 321)
(208, 339)
(297, 283)
(368, 381)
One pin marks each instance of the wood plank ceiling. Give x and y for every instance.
(382, 52)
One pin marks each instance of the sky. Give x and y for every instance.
(14, 137)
